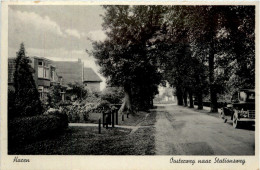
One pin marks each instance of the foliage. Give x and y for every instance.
(11, 103)
(214, 38)
(34, 128)
(78, 90)
(113, 95)
(78, 111)
(125, 57)
(168, 92)
(104, 106)
(199, 50)
(27, 101)
(54, 95)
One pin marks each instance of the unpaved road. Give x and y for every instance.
(184, 131)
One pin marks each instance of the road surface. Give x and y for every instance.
(185, 131)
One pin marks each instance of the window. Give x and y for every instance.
(40, 72)
(43, 70)
(242, 96)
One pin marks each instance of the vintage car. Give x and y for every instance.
(241, 109)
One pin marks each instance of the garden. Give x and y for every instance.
(31, 119)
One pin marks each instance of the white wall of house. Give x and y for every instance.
(93, 86)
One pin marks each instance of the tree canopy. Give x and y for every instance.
(125, 57)
(200, 50)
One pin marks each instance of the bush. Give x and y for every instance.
(28, 129)
(113, 95)
(103, 105)
(78, 112)
(78, 90)
(54, 95)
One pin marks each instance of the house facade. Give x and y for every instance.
(44, 76)
(48, 73)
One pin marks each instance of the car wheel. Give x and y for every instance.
(235, 121)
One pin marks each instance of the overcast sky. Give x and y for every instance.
(55, 32)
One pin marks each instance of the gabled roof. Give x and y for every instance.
(70, 71)
(41, 58)
(90, 75)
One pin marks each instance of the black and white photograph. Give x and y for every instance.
(132, 80)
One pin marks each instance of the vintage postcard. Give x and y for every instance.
(129, 85)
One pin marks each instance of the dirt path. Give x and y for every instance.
(183, 131)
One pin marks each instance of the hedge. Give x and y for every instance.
(29, 129)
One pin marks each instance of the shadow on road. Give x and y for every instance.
(244, 127)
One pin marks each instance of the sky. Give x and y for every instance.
(59, 33)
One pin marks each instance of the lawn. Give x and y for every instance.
(87, 141)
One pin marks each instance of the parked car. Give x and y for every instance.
(241, 109)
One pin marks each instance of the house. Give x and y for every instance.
(75, 72)
(70, 71)
(45, 74)
(48, 73)
(91, 79)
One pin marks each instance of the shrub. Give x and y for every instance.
(28, 129)
(54, 96)
(113, 95)
(78, 111)
(77, 90)
(104, 105)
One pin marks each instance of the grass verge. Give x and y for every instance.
(87, 141)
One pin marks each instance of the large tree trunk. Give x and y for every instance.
(200, 101)
(191, 99)
(185, 98)
(126, 107)
(213, 93)
(179, 96)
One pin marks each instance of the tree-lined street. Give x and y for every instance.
(202, 56)
(184, 131)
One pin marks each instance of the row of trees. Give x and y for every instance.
(199, 50)
(213, 50)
